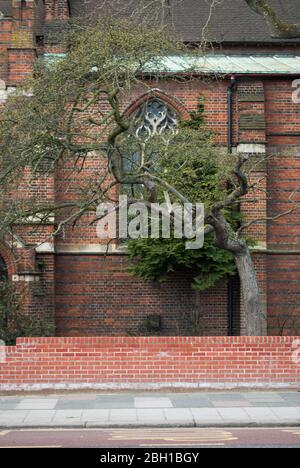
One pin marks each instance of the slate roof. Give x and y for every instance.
(232, 22)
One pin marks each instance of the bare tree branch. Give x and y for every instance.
(279, 27)
(296, 207)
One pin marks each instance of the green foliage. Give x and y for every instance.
(153, 323)
(189, 162)
(13, 322)
(156, 259)
(150, 326)
(197, 118)
(196, 168)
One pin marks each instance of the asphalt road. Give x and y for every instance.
(151, 438)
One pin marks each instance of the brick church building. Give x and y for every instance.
(70, 281)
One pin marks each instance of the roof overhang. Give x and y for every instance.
(216, 64)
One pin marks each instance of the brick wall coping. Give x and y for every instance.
(178, 340)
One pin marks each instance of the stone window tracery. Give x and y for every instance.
(153, 123)
(153, 118)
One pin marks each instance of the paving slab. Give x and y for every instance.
(80, 397)
(125, 416)
(67, 418)
(262, 415)
(113, 401)
(225, 396)
(37, 404)
(191, 401)
(37, 418)
(230, 403)
(271, 404)
(12, 418)
(147, 414)
(234, 415)
(291, 397)
(8, 405)
(95, 415)
(286, 413)
(194, 409)
(264, 397)
(179, 415)
(205, 416)
(153, 402)
(75, 404)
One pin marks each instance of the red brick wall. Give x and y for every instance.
(96, 296)
(283, 263)
(110, 362)
(58, 9)
(284, 294)
(282, 115)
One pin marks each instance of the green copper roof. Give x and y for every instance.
(220, 64)
(229, 64)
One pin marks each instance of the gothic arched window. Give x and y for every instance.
(154, 120)
(3, 269)
(153, 124)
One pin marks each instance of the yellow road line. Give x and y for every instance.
(188, 437)
(293, 431)
(175, 434)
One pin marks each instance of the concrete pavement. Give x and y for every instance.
(201, 409)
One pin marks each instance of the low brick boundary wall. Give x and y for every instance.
(150, 362)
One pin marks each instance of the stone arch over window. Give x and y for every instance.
(173, 104)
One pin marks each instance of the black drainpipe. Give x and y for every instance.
(230, 90)
(230, 288)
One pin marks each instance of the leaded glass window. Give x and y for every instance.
(153, 125)
(155, 118)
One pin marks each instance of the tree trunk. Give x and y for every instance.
(251, 294)
(227, 240)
